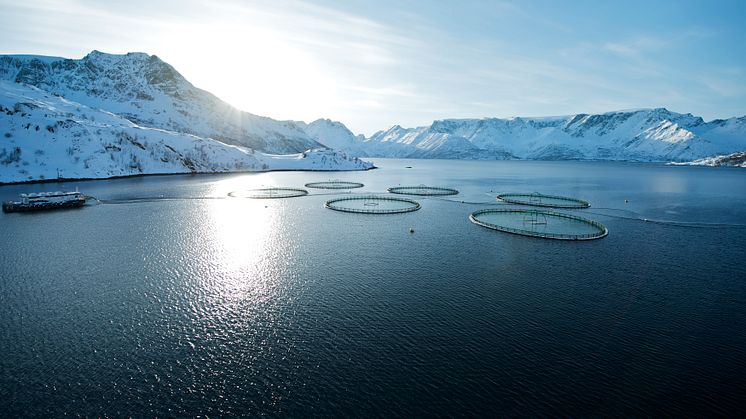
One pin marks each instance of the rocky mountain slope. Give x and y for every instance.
(150, 93)
(637, 135)
(44, 136)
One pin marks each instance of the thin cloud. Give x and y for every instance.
(636, 48)
(723, 87)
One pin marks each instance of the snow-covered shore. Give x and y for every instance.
(731, 160)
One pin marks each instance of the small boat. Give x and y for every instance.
(45, 201)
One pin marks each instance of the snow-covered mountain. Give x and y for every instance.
(639, 135)
(335, 135)
(116, 115)
(151, 93)
(111, 115)
(44, 136)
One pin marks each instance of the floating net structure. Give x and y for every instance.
(540, 200)
(373, 204)
(422, 190)
(334, 184)
(539, 223)
(269, 193)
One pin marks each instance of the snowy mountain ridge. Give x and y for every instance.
(637, 135)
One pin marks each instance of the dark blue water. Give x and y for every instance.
(170, 299)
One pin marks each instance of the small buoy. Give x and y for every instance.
(411, 230)
(625, 201)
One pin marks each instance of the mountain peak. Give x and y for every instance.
(95, 53)
(661, 111)
(334, 134)
(150, 92)
(99, 54)
(325, 121)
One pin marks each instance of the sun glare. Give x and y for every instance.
(252, 69)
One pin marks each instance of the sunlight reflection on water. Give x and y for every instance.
(242, 240)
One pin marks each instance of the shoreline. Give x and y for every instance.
(63, 180)
(373, 167)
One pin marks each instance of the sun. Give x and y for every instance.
(253, 69)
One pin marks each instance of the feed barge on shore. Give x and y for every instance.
(45, 201)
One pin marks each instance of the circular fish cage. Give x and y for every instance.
(372, 204)
(269, 193)
(422, 190)
(539, 223)
(334, 184)
(540, 200)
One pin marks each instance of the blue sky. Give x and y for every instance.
(375, 64)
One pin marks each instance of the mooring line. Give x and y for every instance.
(685, 224)
(635, 216)
(155, 199)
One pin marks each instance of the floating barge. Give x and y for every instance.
(45, 201)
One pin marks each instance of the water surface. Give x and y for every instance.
(172, 299)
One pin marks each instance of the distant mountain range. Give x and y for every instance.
(116, 115)
(654, 135)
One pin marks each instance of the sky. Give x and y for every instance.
(374, 64)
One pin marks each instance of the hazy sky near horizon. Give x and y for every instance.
(375, 64)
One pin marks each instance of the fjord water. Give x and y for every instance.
(171, 299)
